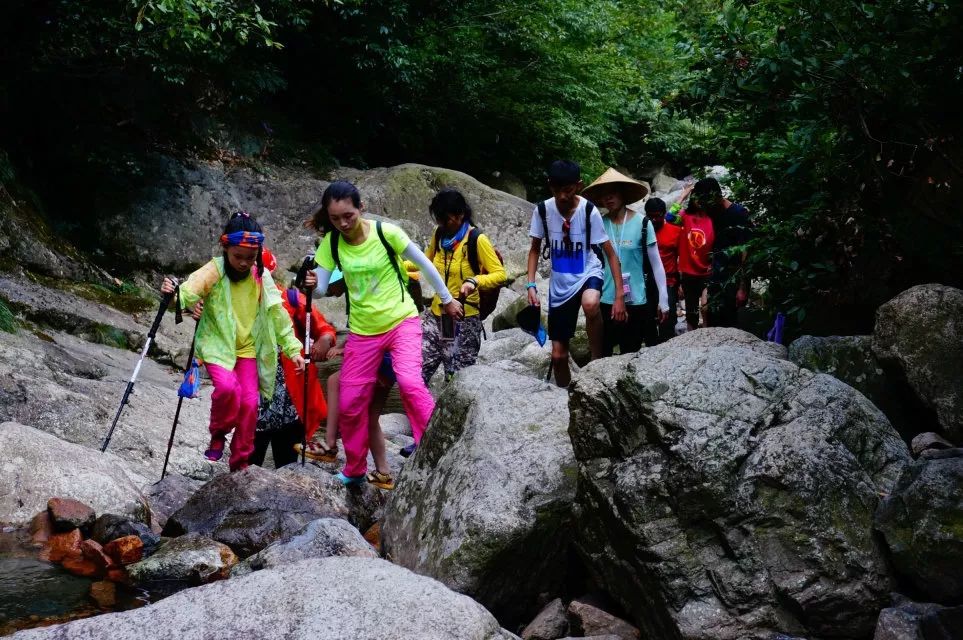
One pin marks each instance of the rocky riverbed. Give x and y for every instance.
(714, 487)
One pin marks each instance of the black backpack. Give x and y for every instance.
(413, 287)
(547, 249)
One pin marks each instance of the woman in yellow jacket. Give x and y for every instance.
(456, 343)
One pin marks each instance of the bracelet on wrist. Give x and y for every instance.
(473, 282)
(531, 285)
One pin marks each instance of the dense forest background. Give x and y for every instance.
(840, 119)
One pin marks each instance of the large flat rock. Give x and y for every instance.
(36, 466)
(326, 599)
(71, 388)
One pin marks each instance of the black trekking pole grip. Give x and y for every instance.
(307, 265)
(164, 305)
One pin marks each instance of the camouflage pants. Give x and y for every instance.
(455, 354)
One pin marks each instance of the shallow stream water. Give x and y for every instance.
(36, 593)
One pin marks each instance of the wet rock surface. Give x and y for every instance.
(109, 527)
(191, 559)
(170, 494)
(250, 509)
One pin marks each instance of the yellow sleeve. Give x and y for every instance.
(199, 284)
(283, 328)
(488, 261)
(412, 269)
(414, 272)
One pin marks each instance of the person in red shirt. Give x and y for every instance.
(695, 257)
(667, 236)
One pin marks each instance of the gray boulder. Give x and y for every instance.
(174, 222)
(189, 560)
(485, 503)
(37, 466)
(919, 334)
(365, 502)
(907, 620)
(402, 193)
(322, 538)
(922, 522)
(70, 388)
(292, 602)
(505, 318)
(517, 352)
(250, 509)
(929, 441)
(851, 359)
(549, 624)
(726, 493)
(594, 621)
(170, 494)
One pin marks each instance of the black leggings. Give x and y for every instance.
(693, 286)
(627, 335)
(282, 443)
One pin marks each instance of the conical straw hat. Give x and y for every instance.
(632, 190)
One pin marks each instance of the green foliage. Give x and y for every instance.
(836, 116)
(8, 322)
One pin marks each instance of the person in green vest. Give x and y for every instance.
(240, 328)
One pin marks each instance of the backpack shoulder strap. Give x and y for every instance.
(473, 250)
(434, 244)
(543, 214)
(335, 241)
(392, 256)
(645, 240)
(589, 207)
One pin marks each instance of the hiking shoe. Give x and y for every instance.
(215, 449)
(350, 481)
(407, 451)
(380, 480)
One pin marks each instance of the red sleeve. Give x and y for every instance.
(319, 326)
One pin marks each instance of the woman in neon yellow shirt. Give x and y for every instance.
(382, 319)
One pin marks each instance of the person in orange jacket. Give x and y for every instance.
(281, 421)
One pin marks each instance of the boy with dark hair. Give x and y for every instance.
(667, 237)
(728, 286)
(573, 230)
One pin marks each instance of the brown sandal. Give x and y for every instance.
(319, 451)
(380, 480)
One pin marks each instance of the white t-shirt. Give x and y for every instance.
(574, 262)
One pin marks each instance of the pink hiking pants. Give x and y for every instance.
(359, 372)
(234, 406)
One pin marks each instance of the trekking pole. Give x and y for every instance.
(307, 265)
(180, 401)
(165, 302)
